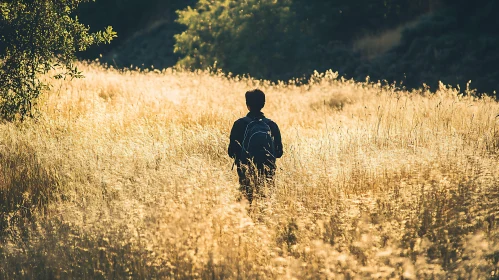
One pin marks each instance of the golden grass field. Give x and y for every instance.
(125, 175)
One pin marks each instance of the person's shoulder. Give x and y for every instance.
(240, 121)
(270, 122)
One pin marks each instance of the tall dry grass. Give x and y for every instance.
(126, 175)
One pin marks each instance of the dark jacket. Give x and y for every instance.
(237, 135)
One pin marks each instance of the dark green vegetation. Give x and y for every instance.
(448, 41)
(36, 37)
(284, 39)
(453, 45)
(145, 30)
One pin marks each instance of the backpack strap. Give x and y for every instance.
(248, 121)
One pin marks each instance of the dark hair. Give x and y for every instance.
(255, 99)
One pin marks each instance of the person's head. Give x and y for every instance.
(255, 100)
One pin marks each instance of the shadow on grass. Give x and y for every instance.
(26, 185)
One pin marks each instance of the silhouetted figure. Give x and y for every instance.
(255, 143)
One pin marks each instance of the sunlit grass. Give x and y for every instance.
(126, 175)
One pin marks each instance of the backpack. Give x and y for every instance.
(258, 143)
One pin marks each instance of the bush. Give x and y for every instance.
(281, 39)
(255, 36)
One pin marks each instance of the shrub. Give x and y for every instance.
(242, 37)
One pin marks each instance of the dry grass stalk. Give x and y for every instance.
(126, 176)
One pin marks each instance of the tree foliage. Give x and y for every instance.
(251, 36)
(282, 39)
(445, 40)
(35, 37)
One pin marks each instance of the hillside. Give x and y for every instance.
(445, 45)
(151, 47)
(126, 175)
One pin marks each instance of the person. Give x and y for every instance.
(255, 144)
